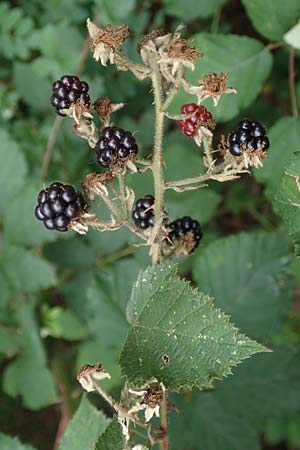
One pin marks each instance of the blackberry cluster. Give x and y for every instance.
(143, 214)
(200, 113)
(252, 134)
(181, 228)
(69, 89)
(58, 205)
(115, 145)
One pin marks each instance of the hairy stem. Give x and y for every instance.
(122, 194)
(157, 167)
(225, 176)
(164, 444)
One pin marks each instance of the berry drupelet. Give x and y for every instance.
(143, 213)
(67, 91)
(185, 229)
(199, 114)
(115, 145)
(252, 134)
(58, 205)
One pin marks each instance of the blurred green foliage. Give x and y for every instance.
(63, 298)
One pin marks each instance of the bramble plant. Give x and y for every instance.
(177, 338)
(150, 227)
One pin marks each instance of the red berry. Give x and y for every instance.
(199, 113)
(189, 108)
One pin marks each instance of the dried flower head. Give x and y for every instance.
(105, 41)
(95, 184)
(179, 52)
(153, 43)
(212, 85)
(88, 374)
(150, 400)
(151, 37)
(104, 108)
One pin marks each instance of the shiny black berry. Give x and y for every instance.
(185, 228)
(143, 213)
(245, 125)
(257, 130)
(115, 145)
(68, 90)
(58, 205)
(250, 134)
(235, 149)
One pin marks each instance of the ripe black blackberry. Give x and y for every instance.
(185, 229)
(58, 205)
(252, 134)
(69, 89)
(115, 145)
(143, 213)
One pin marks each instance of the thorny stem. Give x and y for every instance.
(157, 167)
(292, 82)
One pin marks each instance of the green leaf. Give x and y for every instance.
(286, 201)
(32, 88)
(13, 170)
(192, 9)
(248, 276)
(235, 55)
(110, 14)
(285, 140)
(12, 443)
(32, 381)
(106, 302)
(272, 18)
(85, 427)
(177, 335)
(204, 423)
(62, 323)
(201, 204)
(29, 230)
(25, 264)
(9, 341)
(267, 386)
(28, 375)
(112, 438)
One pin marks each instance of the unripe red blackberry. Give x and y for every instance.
(185, 229)
(115, 145)
(68, 90)
(143, 213)
(252, 134)
(58, 205)
(199, 114)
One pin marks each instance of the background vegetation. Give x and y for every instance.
(63, 296)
